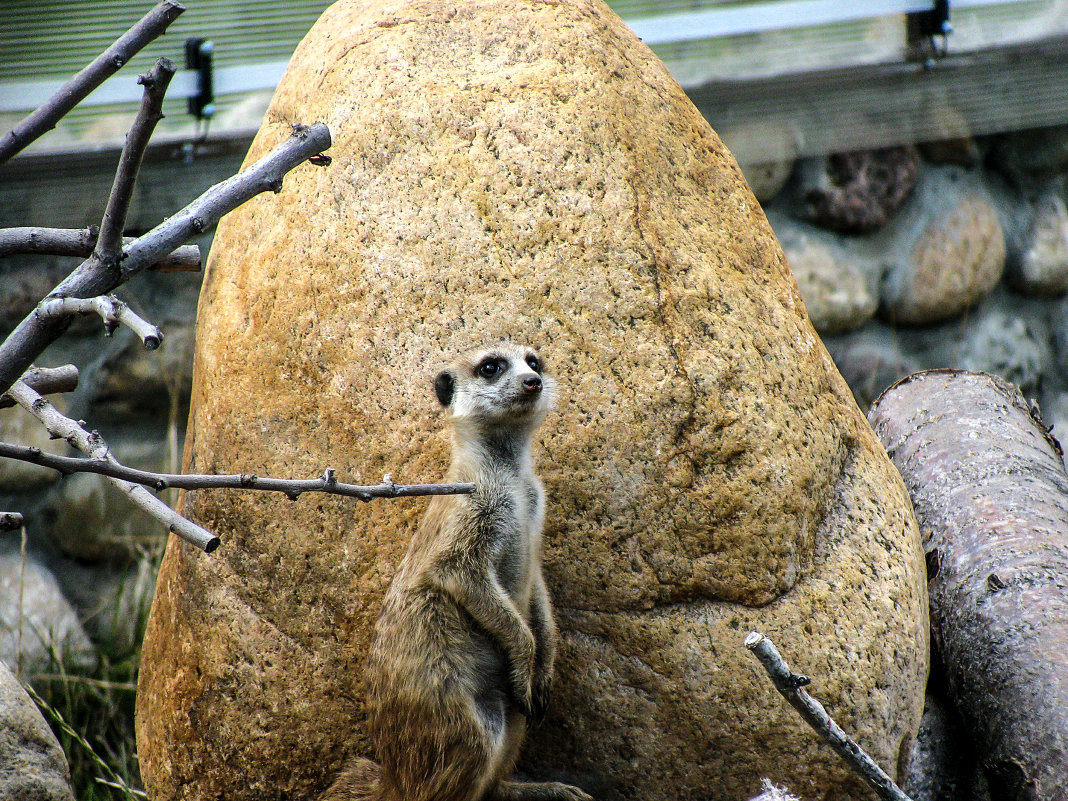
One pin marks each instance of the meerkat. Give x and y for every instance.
(462, 653)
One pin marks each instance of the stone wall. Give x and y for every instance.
(949, 254)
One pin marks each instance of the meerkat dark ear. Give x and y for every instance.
(444, 385)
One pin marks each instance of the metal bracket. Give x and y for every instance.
(200, 56)
(932, 24)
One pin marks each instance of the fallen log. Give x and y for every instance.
(991, 495)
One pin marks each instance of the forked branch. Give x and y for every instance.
(94, 446)
(111, 310)
(34, 334)
(200, 215)
(109, 243)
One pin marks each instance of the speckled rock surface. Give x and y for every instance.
(530, 170)
(858, 192)
(947, 250)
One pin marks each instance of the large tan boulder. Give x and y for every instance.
(528, 169)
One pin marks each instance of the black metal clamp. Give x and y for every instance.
(200, 56)
(932, 24)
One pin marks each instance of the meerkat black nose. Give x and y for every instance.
(532, 383)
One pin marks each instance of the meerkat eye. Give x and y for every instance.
(489, 368)
(535, 365)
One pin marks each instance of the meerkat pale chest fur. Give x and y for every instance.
(462, 654)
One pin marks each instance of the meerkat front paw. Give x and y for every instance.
(523, 673)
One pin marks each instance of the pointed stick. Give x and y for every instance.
(789, 685)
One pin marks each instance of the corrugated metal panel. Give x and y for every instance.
(50, 39)
(857, 108)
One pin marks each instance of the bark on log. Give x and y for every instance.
(991, 495)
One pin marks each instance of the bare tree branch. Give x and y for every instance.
(44, 119)
(109, 242)
(293, 488)
(10, 521)
(46, 381)
(111, 310)
(81, 241)
(200, 215)
(34, 333)
(790, 685)
(114, 260)
(94, 446)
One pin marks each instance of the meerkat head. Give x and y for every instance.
(496, 385)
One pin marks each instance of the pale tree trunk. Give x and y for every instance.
(991, 496)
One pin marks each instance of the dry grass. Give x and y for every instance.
(91, 707)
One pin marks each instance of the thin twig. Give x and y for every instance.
(789, 685)
(81, 241)
(94, 446)
(46, 381)
(34, 334)
(293, 488)
(111, 310)
(44, 119)
(109, 242)
(11, 521)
